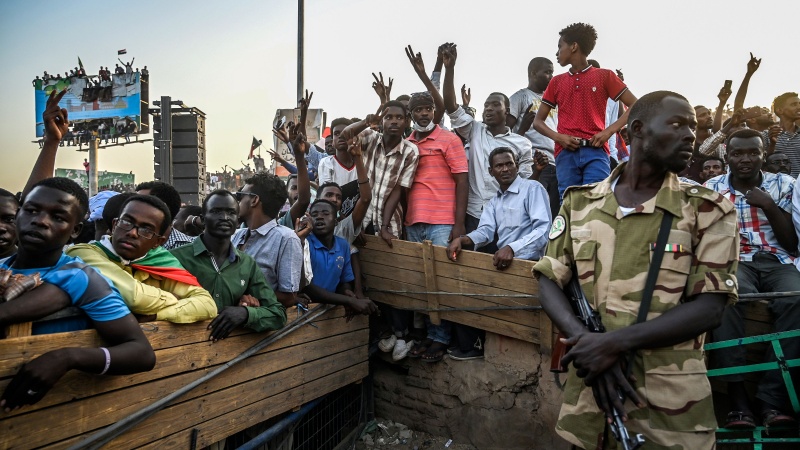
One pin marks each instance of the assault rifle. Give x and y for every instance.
(591, 319)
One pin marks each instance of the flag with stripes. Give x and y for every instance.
(256, 143)
(122, 52)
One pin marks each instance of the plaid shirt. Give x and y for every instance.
(755, 232)
(177, 239)
(388, 169)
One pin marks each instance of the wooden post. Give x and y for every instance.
(430, 281)
(19, 330)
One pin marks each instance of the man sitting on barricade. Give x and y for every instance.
(764, 210)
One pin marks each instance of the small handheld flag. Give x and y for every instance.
(256, 143)
(122, 52)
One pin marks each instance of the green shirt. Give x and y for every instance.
(238, 275)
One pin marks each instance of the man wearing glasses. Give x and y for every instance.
(276, 249)
(153, 284)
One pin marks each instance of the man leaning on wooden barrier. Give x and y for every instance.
(608, 230)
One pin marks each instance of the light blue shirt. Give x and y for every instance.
(521, 218)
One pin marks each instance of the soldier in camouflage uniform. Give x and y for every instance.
(608, 230)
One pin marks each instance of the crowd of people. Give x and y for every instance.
(573, 171)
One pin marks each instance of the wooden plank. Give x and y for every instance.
(175, 418)
(430, 281)
(172, 361)
(161, 335)
(233, 422)
(487, 323)
(19, 330)
(62, 421)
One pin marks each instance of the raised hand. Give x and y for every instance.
(724, 94)
(304, 102)
(56, 120)
(302, 226)
(466, 95)
(354, 147)
(753, 64)
(449, 55)
(299, 145)
(282, 133)
(416, 61)
(276, 156)
(383, 90)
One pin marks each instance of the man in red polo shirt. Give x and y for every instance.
(581, 96)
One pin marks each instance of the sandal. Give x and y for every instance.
(435, 353)
(739, 420)
(420, 348)
(775, 418)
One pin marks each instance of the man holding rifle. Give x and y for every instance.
(647, 368)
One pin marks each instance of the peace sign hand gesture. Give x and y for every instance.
(416, 61)
(56, 120)
(384, 91)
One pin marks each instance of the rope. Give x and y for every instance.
(744, 298)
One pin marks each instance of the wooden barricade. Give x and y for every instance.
(423, 268)
(305, 365)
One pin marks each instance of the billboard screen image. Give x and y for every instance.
(112, 105)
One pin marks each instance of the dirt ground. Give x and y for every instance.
(385, 434)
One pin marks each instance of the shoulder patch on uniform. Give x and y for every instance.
(558, 227)
(719, 200)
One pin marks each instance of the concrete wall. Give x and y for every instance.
(506, 401)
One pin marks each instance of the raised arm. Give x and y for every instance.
(300, 148)
(449, 56)
(419, 67)
(723, 96)
(364, 188)
(752, 67)
(56, 126)
(384, 91)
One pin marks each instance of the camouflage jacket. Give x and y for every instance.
(612, 254)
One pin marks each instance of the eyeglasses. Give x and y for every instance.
(127, 225)
(240, 195)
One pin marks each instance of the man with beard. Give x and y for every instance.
(763, 203)
(152, 282)
(712, 167)
(8, 230)
(276, 249)
(230, 275)
(51, 215)
(604, 236)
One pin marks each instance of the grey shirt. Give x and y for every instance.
(277, 251)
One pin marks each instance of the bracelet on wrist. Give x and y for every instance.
(364, 182)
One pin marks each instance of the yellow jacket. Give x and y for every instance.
(145, 293)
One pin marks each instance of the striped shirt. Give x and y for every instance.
(789, 144)
(432, 198)
(755, 232)
(388, 169)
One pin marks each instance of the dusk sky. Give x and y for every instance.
(235, 60)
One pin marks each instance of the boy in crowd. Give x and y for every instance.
(51, 215)
(9, 205)
(581, 95)
(152, 282)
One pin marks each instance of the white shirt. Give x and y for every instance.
(521, 100)
(483, 186)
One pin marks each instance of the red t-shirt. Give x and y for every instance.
(432, 197)
(581, 99)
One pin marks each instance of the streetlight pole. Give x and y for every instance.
(300, 32)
